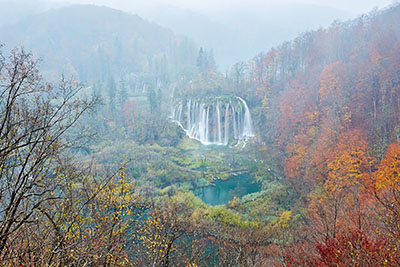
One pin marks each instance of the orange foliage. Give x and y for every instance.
(338, 201)
(388, 174)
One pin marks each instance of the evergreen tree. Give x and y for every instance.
(201, 58)
(111, 92)
(152, 98)
(205, 61)
(123, 93)
(159, 100)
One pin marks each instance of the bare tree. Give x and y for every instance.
(34, 118)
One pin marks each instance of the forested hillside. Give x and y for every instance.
(237, 32)
(291, 158)
(330, 103)
(91, 43)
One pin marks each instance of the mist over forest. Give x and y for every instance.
(175, 133)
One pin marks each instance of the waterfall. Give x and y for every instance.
(235, 131)
(226, 141)
(219, 124)
(206, 123)
(248, 123)
(180, 112)
(189, 114)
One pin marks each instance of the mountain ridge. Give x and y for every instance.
(94, 37)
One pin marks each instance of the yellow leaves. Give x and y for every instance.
(265, 105)
(350, 245)
(388, 174)
(97, 215)
(155, 236)
(346, 119)
(234, 202)
(284, 219)
(345, 164)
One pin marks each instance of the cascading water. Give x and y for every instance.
(247, 121)
(206, 123)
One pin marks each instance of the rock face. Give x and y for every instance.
(214, 121)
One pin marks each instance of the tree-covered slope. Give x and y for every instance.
(328, 102)
(91, 42)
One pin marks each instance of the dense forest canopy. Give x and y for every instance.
(139, 152)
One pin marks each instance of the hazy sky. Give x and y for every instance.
(354, 7)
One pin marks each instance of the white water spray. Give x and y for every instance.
(203, 120)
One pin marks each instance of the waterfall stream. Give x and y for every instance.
(206, 123)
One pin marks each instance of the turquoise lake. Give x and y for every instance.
(224, 190)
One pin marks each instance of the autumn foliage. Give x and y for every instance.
(331, 102)
(328, 109)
